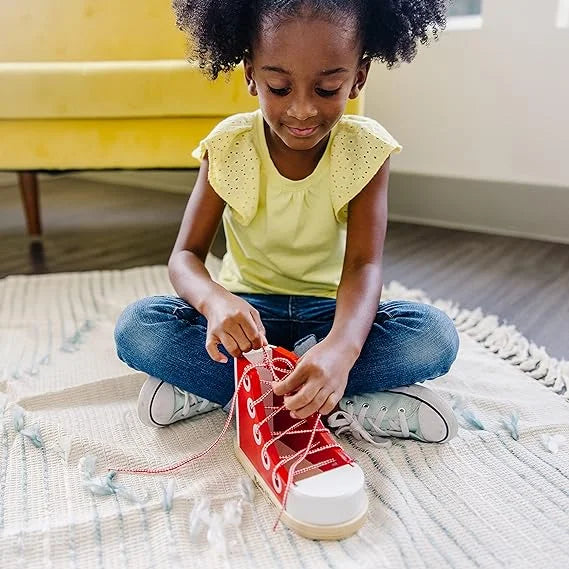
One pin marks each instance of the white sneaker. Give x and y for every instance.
(160, 403)
(409, 412)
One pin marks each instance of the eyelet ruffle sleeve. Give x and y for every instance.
(359, 149)
(234, 165)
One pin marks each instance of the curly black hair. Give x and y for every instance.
(222, 31)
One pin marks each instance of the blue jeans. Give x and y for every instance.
(165, 337)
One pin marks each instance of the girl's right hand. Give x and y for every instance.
(236, 324)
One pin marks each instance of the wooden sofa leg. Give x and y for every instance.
(31, 201)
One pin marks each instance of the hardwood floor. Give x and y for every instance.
(90, 225)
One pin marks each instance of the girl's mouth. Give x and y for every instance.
(302, 132)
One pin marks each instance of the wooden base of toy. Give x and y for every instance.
(310, 531)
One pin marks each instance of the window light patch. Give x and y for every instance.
(464, 15)
(562, 20)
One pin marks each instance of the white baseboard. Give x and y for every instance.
(517, 210)
(513, 209)
(476, 228)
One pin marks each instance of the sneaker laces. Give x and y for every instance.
(311, 447)
(348, 421)
(190, 400)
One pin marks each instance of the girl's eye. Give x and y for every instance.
(279, 92)
(325, 93)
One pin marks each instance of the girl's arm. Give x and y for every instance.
(232, 321)
(322, 374)
(360, 287)
(186, 267)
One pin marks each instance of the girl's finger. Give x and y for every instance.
(249, 327)
(211, 346)
(260, 327)
(330, 403)
(294, 380)
(315, 405)
(236, 332)
(304, 396)
(230, 344)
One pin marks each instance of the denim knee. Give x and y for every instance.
(440, 339)
(433, 346)
(128, 329)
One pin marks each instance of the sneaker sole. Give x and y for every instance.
(145, 398)
(436, 403)
(310, 531)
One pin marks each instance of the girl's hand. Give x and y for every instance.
(233, 322)
(319, 380)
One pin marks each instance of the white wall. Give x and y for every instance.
(486, 104)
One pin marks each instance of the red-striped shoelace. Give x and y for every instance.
(311, 448)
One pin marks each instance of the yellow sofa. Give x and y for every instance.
(102, 84)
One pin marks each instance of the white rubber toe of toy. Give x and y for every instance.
(333, 497)
(329, 506)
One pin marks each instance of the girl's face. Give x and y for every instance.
(304, 70)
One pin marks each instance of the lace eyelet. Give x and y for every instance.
(384, 408)
(247, 383)
(365, 405)
(250, 408)
(277, 484)
(349, 402)
(266, 460)
(401, 410)
(257, 434)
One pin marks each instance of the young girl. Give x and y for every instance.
(302, 191)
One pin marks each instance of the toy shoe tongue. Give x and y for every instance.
(302, 346)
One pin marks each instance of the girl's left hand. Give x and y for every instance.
(317, 382)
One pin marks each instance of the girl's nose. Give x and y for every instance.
(302, 110)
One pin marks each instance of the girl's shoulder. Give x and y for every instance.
(234, 125)
(359, 148)
(233, 169)
(223, 135)
(364, 130)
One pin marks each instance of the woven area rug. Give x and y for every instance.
(493, 497)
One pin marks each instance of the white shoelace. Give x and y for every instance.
(190, 400)
(355, 424)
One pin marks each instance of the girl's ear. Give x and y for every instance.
(361, 77)
(251, 85)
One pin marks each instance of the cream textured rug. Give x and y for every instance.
(484, 500)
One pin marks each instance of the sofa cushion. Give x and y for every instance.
(87, 144)
(107, 89)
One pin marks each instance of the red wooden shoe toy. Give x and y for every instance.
(319, 489)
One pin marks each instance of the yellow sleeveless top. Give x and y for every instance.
(285, 236)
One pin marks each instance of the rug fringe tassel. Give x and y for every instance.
(504, 340)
